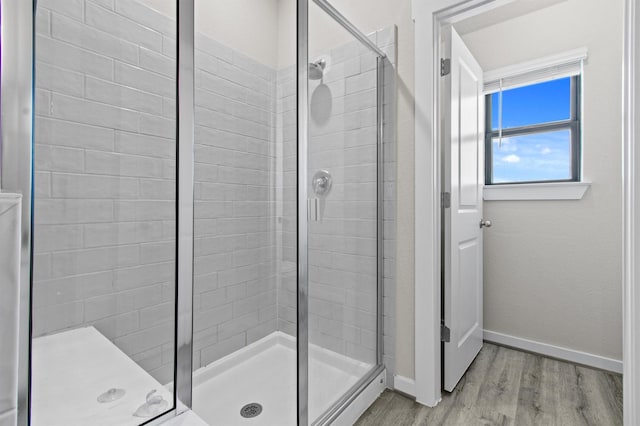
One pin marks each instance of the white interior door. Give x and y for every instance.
(463, 152)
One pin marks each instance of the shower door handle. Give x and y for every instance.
(313, 209)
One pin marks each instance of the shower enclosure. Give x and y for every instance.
(212, 209)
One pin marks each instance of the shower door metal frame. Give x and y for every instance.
(185, 141)
(345, 400)
(302, 129)
(347, 25)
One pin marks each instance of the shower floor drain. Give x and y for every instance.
(251, 410)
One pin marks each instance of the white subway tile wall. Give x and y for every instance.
(105, 183)
(105, 189)
(235, 248)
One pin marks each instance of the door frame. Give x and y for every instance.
(429, 17)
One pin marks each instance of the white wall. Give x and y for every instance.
(553, 269)
(286, 33)
(324, 32)
(248, 26)
(632, 295)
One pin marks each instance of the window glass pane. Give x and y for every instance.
(532, 157)
(538, 103)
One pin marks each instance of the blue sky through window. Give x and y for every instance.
(539, 156)
(532, 157)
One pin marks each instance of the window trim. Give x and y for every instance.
(573, 124)
(536, 191)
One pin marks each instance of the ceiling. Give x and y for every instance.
(499, 14)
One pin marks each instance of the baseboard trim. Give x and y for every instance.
(404, 385)
(553, 351)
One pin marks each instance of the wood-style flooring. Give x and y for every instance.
(509, 387)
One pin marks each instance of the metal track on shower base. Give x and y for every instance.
(352, 394)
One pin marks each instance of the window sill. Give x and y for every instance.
(536, 191)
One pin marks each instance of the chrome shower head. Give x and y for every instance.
(316, 69)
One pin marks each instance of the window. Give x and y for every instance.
(533, 133)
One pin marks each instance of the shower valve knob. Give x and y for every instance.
(322, 183)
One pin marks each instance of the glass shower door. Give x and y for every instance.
(343, 229)
(104, 233)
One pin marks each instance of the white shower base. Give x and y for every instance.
(82, 363)
(265, 372)
(71, 368)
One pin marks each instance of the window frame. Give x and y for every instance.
(573, 124)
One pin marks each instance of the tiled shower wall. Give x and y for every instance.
(105, 190)
(105, 184)
(235, 245)
(105, 175)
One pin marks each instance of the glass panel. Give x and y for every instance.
(538, 103)
(532, 157)
(342, 167)
(105, 201)
(245, 213)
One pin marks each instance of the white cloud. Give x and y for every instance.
(546, 150)
(511, 159)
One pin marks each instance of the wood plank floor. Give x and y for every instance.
(508, 387)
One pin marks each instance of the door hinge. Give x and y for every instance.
(445, 333)
(446, 200)
(445, 66)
